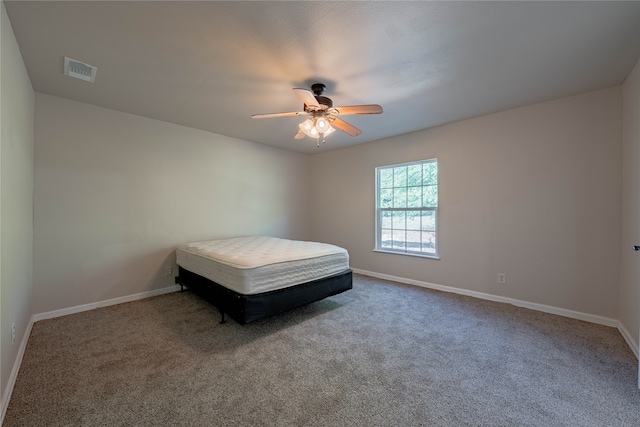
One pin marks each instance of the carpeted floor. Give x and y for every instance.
(382, 354)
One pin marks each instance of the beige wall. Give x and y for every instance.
(16, 205)
(115, 193)
(630, 261)
(532, 192)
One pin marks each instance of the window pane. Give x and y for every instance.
(385, 239)
(428, 221)
(400, 197)
(413, 241)
(386, 198)
(414, 175)
(386, 178)
(385, 220)
(398, 239)
(429, 241)
(430, 195)
(399, 221)
(400, 176)
(414, 197)
(413, 220)
(430, 173)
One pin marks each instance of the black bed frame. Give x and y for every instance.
(249, 308)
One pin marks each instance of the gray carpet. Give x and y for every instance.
(382, 354)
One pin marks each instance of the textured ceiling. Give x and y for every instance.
(211, 65)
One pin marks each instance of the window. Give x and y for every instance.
(407, 208)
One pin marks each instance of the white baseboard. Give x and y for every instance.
(526, 304)
(106, 303)
(629, 339)
(14, 372)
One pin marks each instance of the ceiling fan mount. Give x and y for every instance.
(318, 88)
(323, 114)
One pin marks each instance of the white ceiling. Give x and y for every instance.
(210, 65)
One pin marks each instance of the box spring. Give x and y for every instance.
(249, 308)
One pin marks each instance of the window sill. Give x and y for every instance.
(407, 253)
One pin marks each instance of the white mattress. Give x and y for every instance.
(251, 265)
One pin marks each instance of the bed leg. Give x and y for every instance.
(222, 321)
(178, 282)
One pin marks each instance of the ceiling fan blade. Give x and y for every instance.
(345, 127)
(270, 115)
(359, 109)
(298, 135)
(306, 97)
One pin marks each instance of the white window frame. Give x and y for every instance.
(432, 208)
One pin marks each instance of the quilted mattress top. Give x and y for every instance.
(258, 251)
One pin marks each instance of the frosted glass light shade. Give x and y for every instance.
(322, 125)
(329, 131)
(315, 127)
(308, 128)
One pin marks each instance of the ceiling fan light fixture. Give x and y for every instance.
(322, 125)
(316, 127)
(308, 128)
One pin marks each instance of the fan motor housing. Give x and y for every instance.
(323, 100)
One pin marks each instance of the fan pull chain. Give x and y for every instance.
(318, 140)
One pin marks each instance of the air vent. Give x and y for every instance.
(79, 70)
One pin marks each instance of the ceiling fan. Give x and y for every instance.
(324, 116)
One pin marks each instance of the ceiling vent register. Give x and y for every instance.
(79, 70)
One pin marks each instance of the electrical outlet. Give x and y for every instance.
(168, 270)
(502, 279)
(13, 333)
